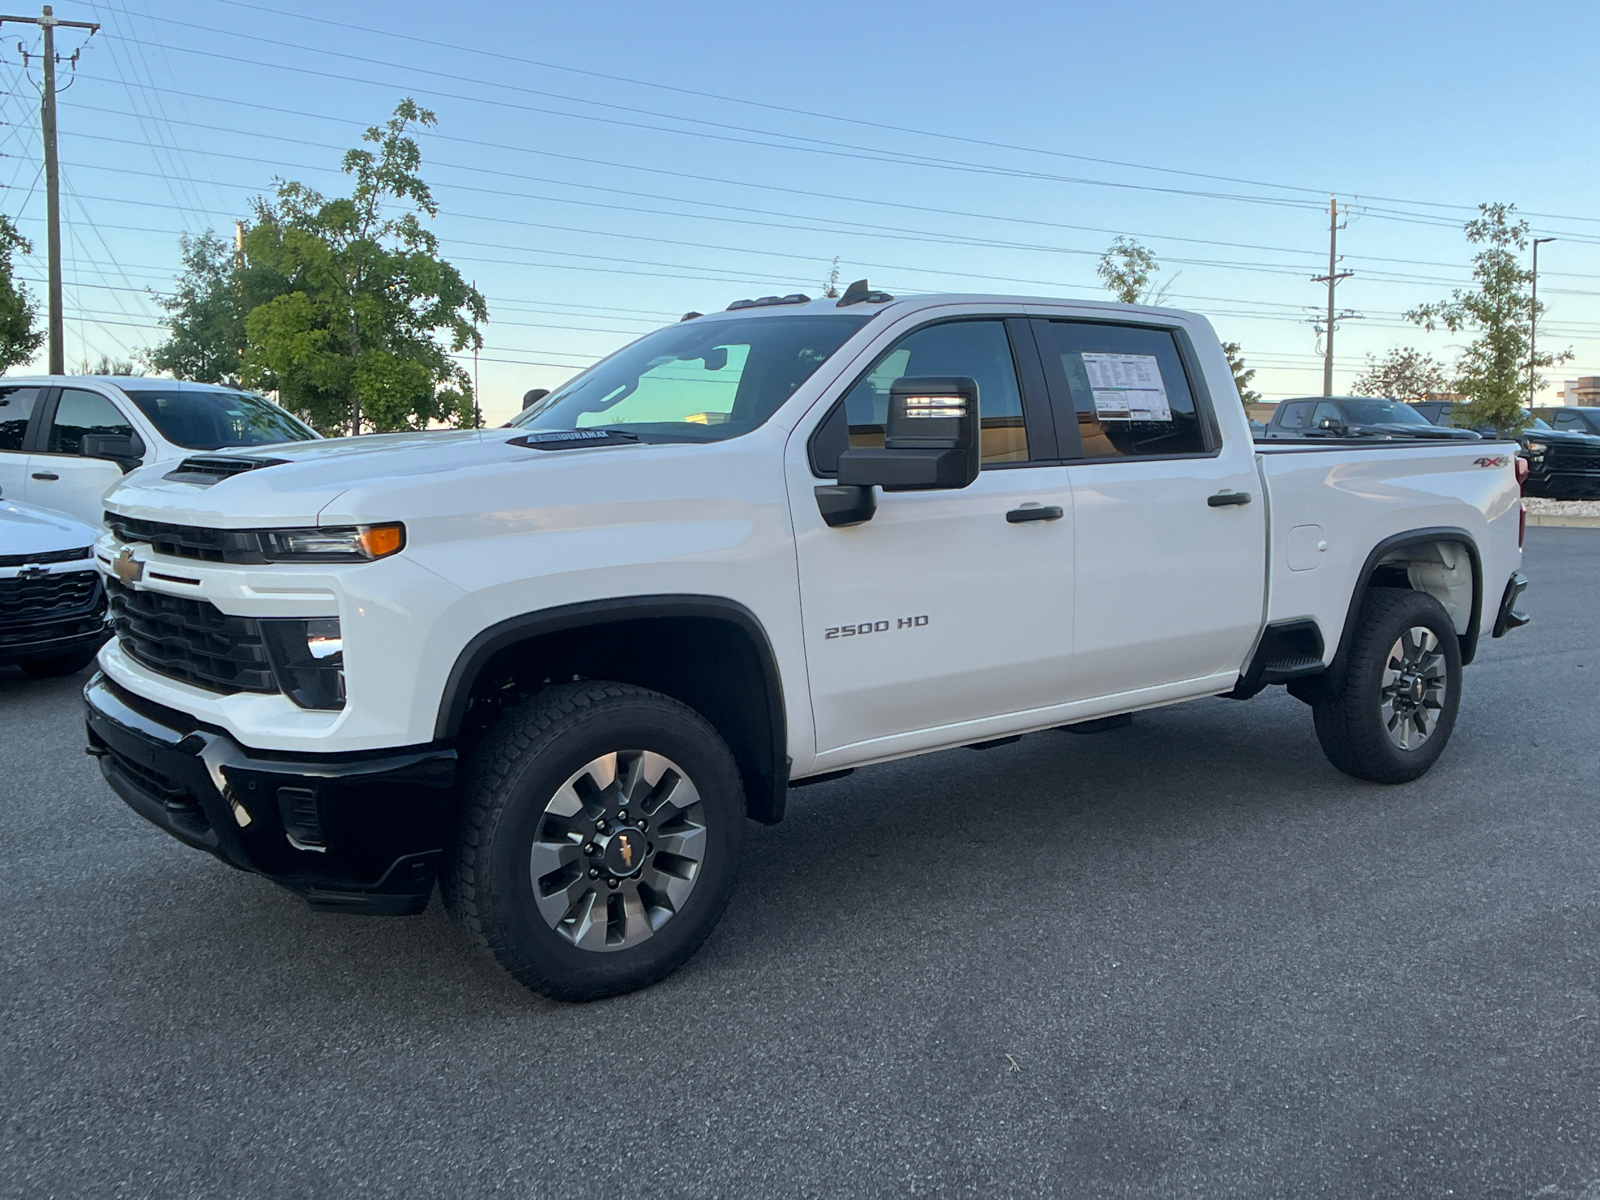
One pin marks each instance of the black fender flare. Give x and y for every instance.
(766, 785)
(1308, 688)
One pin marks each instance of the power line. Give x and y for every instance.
(434, 44)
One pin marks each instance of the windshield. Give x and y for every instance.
(1383, 412)
(698, 381)
(212, 418)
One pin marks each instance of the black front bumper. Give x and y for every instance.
(361, 832)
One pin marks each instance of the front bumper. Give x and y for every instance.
(358, 832)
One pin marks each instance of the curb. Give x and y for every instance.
(1564, 520)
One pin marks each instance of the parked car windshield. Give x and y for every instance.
(700, 381)
(1383, 412)
(214, 418)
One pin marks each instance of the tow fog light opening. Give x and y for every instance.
(307, 660)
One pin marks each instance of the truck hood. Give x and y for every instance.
(294, 483)
(27, 530)
(1438, 433)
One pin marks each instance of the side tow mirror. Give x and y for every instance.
(533, 396)
(1330, 425)
(930, 439)
(124, 449)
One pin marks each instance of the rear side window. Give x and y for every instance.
(980, 350)
(79, 413)
(1129, 389)
(16, 406)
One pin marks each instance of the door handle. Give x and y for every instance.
(1223, 499)
(45, 475)
(1048, 512)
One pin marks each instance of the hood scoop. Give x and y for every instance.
(208, 469)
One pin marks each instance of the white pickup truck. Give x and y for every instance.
(554, 667)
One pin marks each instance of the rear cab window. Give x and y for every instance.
(1130, 391)
(16, 408)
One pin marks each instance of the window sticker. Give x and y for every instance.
(1127, 387)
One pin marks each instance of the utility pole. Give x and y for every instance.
(1331, 279)
(52, 174)
(1533, 319)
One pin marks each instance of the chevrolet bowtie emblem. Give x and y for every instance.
(126, 567)
(627, 851)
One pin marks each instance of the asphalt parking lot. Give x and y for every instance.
(1186, 958)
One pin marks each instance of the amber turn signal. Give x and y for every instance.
(379, 541)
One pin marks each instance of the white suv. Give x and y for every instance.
(66, 440)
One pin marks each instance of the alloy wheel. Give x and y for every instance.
(618, 851)
(1414, 688)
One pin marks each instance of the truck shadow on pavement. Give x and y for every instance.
(975, 855)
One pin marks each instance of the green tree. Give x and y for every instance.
(830, 285)
(1405, 373)
(1128, 269)
(206, 314)
(361, 335)
(1242, 375)
(19, 339)
(1493, 370)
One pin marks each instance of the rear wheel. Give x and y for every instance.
(1393, 717)
(600, 839)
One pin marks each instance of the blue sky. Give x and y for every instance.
(603, 168)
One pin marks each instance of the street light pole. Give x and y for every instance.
(1533, 318)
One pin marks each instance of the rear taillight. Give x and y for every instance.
(1522, 522)
(1522, 470)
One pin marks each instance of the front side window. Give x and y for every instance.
(214, 418)
(16, 406)
(79, 413)
(1326, 412)
(1296, 415)
(1129, 389)
(701, 381)
(979, 350)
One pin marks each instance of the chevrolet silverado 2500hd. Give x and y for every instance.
(554, 667)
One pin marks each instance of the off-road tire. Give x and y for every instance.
(1350, 721)
(61, 664)
(529, 754)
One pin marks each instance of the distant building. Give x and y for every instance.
(1585, 391)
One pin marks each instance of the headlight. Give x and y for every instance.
(307, 660)
(343, 543)
(1538, 447)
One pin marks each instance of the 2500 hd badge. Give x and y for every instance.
(866, 627)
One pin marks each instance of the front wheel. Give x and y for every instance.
(1393, 717)
(600, 839)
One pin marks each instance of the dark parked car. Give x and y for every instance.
(1354, 417)
(52, 605)
(1572, 420)
(1562, 464)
